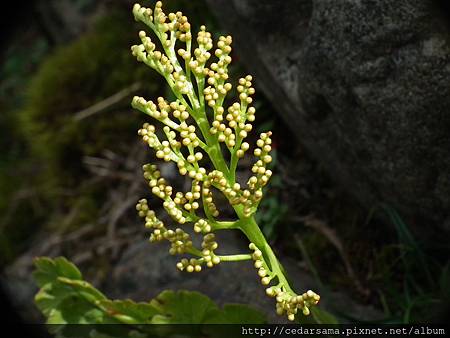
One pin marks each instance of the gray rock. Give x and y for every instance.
(365, 85)
(145, 270)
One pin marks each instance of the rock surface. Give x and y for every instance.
(147, 269)
(144, 270)
(366, 87)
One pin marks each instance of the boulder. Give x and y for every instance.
(365, 85)
(145, 270)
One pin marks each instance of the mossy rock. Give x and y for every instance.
(74, 77)
(52, 144)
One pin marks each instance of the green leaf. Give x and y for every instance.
(50, 296)
(64, 298)
(76, 310)
(237, 314)
(48, 270)
(128, 311)
(83, 289)
(183, 307)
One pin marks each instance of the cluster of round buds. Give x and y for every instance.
(208, 202)
(159, 16)
(236, 118)
(151, 221)
(190, 265)
(185, 55)
(217, 179)
(263, 270)
(160, 24)
(151, 109)
(245, 90)
(188, 135)
(172, 139)
(223, 51)
(155, 59)
(164, 106)
(179, 111)
(205, 43)
(143, 14)
(214, 94)
(201, 53)
(233, 126)
(160, 188)
(181, 83)
(179, 199)
(218, 73)
(189, 199)
(224, 133)
(158, 184)
(241, 151)
(202, 226)
(180, 25)
(180, 241)
(180, 29)
(194, 158)
(148, 135)
(196, 67)
(158, 235)
(259, 168)
(289, 303)
(233, 193)
(163, 149)
(174, 211)
(138, 51)
(185, 167)
(149, 46)
(209, 245)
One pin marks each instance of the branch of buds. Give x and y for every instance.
(206, 141)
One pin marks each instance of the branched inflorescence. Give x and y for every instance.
(205, 139)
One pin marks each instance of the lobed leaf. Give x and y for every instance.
(128, 311)
(48, 270)
(64, 300)
(183, 307)
(237, 314)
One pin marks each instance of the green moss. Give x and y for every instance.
(43, 146)
(75, 77)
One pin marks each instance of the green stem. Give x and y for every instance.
(235, 258)
(212, 146)
(221, 225)
(251, 229)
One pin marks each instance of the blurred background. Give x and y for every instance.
(70, 176)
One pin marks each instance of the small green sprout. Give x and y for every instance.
(206, 141)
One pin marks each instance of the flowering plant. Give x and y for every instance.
(205, 139)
